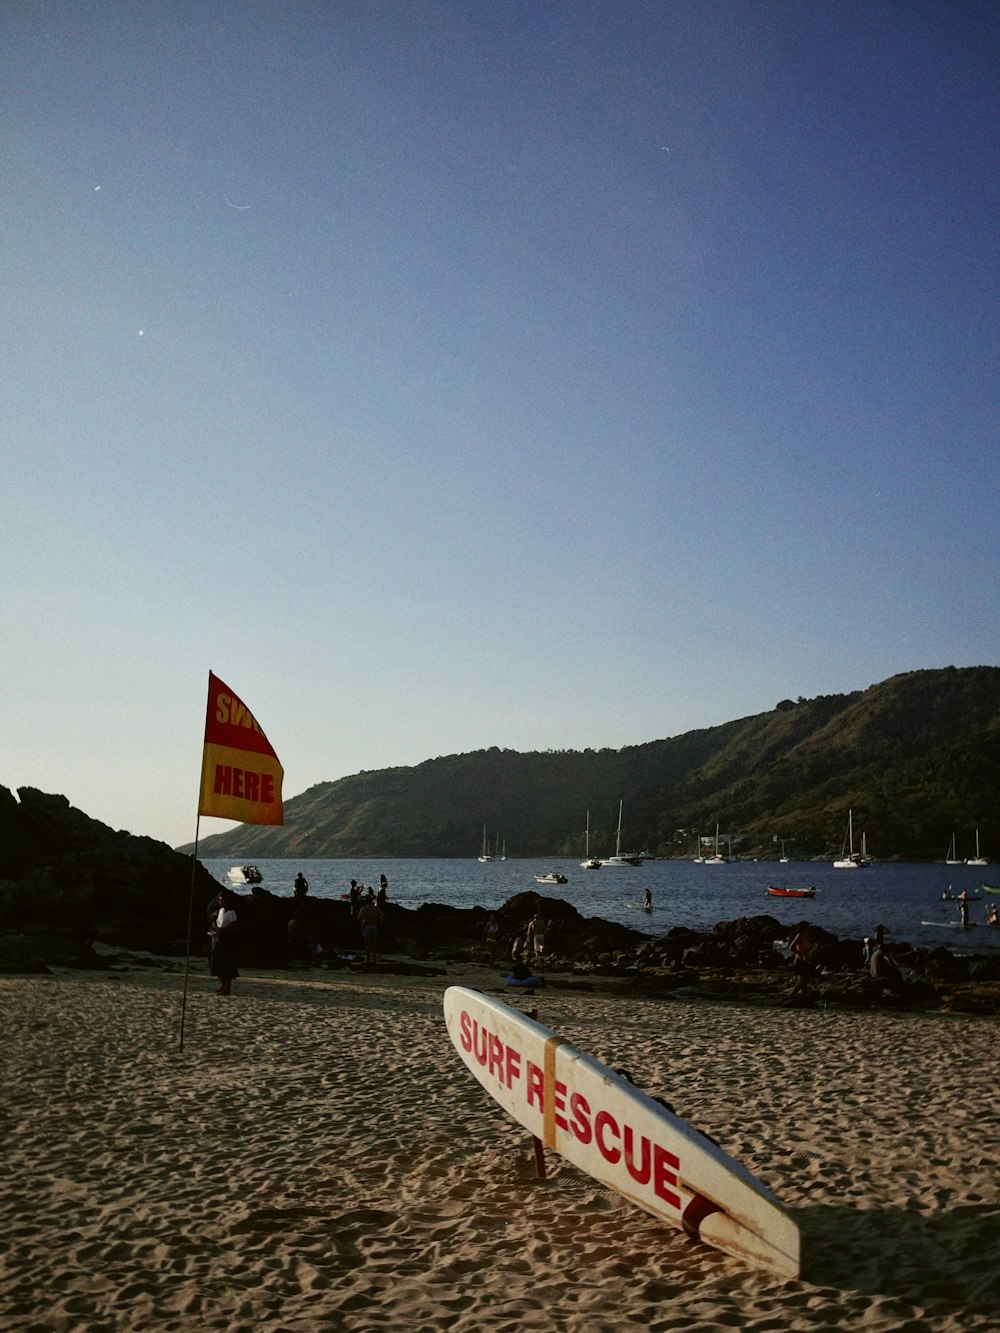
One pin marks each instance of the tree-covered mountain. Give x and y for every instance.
(917, 757)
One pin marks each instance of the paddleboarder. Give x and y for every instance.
(963, 908)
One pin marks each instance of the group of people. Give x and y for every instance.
(963, 900)
(359, 894)
(528, 944)
(223, 927)
(877, 960)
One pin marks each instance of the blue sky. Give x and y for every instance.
(447, 375)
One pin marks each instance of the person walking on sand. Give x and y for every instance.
(370, 917)
(801, 942)
(536, 934)
(224, 929)
(491, 937)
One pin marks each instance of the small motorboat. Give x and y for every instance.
(551, 877)
(244, 875)
(808, 892)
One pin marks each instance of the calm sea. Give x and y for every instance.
(849, 903)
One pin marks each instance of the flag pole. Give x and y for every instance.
(187, 956)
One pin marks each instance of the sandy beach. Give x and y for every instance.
(317, 1157)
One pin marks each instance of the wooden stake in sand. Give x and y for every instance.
(538, 1147)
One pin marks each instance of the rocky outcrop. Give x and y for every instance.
(80, 880)
(67, 880)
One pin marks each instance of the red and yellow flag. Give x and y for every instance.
(240, 773)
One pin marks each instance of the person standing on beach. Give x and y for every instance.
(491, 937)
(536, 935)
(369, 919)
(801, 942)
(224, 930)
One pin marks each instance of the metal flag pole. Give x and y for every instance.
(187, 955)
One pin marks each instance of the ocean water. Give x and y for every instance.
(849, 903)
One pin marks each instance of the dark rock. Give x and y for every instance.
(67, 880)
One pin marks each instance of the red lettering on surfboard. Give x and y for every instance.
(536, 1086)
(665, 1167)
(501, 1061)
(579, 1109)
(560, 1104)
(618, 1142)
(496, 1055)
(512, 1066)
(638, 1171)
(603, 1121)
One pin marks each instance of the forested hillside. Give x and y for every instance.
(917, 757)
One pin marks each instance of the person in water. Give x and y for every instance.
(647, 901)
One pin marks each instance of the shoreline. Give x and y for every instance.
(318, 1158)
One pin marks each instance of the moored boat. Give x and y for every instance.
(978, 859)
(485, 854)
(849, 858)
(589, 862)
(621, 858)
(551, 877)
(809, 891)
(244, 875)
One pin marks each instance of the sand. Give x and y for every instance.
(318, 1158)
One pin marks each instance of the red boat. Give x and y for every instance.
(775, 892)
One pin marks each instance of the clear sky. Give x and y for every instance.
(447, 374)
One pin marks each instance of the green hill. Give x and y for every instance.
(916, 757)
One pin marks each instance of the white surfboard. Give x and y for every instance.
(618, 1134)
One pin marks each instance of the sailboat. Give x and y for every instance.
(951, 859)
(716, 859)
(849, 858)
(977, 860)
(589, 862)
(783, 859)
(485, 856)
(618, 859)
